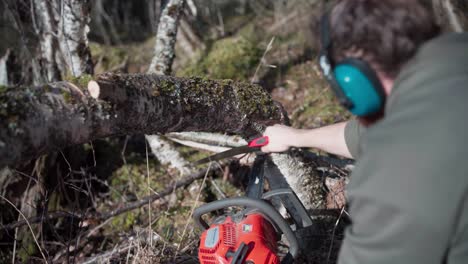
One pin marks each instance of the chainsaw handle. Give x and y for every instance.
(259, 142)
(263, 207)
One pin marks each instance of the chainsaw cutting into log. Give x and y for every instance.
(251, 234)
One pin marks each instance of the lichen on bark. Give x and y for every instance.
(35, 120)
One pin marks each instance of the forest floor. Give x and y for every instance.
(121, 171)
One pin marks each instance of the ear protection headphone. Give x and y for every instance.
(354, 82)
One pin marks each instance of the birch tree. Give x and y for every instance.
(61, 27)
(73, 37)
(164, 54)
(4, 69)
(45, 28)
(451, 14)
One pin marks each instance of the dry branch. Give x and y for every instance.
(168, 190)
(41, 119)
(106, 215)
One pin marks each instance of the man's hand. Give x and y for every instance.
(280, 138)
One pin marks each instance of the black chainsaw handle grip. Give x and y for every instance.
(263, 207)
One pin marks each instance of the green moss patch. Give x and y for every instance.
(230, 58)
(81, 81)
(131, 180)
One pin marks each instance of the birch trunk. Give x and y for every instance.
(451, 14)
(164, 54)
(45, 29)
(62, 28)
(73, 37)
(4, 69)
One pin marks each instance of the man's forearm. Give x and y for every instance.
(330, 139)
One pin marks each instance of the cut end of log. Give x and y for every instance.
(93, 88)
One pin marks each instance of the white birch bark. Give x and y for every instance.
(453, 19)
(302, 178)
(164, 54)
(73, 37)
(45, 30)
(4, 69)
(449, 16)
(62, 28)
(192, 7)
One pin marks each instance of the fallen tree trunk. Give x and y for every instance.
(34, 121)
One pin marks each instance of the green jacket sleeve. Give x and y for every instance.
(353, 134)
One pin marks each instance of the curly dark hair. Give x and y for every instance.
(385, 33)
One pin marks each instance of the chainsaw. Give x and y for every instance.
(251, 235)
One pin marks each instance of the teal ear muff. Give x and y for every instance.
(360, 85)
(354, 82)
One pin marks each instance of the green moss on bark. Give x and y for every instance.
(262, 103)
(81, 81)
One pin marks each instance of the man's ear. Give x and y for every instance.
(387, 82)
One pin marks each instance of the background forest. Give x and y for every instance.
(129, 197)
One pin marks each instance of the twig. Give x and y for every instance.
(23, 201)
(193, 208)
(66, 161)
(108, 254)
(104, 216)
(221, 22)
(94, 153)
(168, 190)
(333, 234)
(30, 228)
(40, 219)
(270, 45)
(218, 189)
(122, 153)
(149, 192)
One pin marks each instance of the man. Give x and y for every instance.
(408, 194)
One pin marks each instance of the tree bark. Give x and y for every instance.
(37, 120)
(4, 69)
(164, 54)
(166, 37)
(302, 178)
(452, 15)
(73, 37)
(62, 29)
(45, 28)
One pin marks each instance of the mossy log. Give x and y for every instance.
(36, 120)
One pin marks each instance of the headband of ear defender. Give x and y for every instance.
(354, 82)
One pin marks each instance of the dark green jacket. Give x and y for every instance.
(409, 191)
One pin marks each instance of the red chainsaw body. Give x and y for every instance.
(224, 238)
